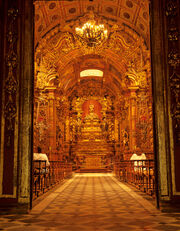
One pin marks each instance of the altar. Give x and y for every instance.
(93, 162)
(92, 150)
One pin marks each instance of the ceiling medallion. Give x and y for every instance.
(92, 34)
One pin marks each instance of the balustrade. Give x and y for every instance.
(139, 173)
(45, 177)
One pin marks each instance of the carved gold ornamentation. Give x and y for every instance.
(144, 125)
(125, 139)
(136, 78)
(122, 109)
(117, 42)
(174, 58)
(62, 107)
(66, 43)
(175, 106)
(60, 51)
(41, 125)
(45, 77)
(58, 48)
(171, 9)
(91, 134)
(59, 138)
(173, 34)
(10, 112)
(11, 83)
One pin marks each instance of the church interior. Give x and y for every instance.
(90, 109)
(93, 105)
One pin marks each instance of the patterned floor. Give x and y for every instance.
(92, 202)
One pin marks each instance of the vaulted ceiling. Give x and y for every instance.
(59, 56)
(132, 13)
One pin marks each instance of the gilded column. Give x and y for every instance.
(133, 109)
(67, 129)
(52, 121)
(116, 130)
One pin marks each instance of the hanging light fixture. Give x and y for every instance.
(92, 34)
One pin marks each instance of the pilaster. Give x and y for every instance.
(51, 121)
(133, 108)
(165, 79)
(16, 117)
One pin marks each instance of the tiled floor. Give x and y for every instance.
(92, 202)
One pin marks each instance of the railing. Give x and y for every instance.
(139, 173)
(45, 177)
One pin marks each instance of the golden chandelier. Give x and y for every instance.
(92, 34)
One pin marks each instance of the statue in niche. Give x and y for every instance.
(91, 127)
(125, 138)
(92, 115)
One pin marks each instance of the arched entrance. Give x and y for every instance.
(93, 101)
(16, 142)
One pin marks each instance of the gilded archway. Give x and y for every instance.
(123, 92)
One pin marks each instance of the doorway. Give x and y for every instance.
(93, 101)
(165, 129)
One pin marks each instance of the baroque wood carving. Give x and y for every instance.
(172, 13)
(11, 82)
(122, 46)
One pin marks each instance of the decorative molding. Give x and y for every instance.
(173, 58)
(173, 34)
(174, 61)
(58, 46)
(172, 7)
(11, 83)
(175, 104)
